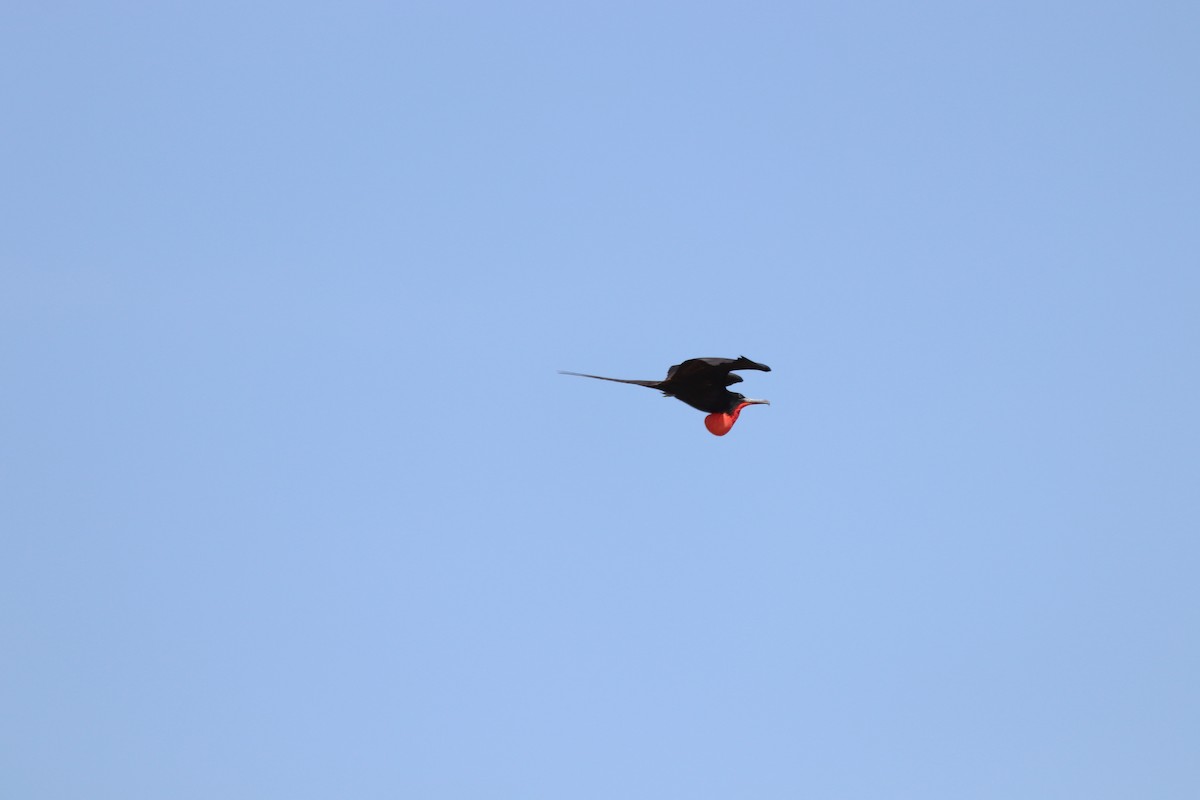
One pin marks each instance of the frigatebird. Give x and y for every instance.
(701, 382)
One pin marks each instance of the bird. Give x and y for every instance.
(701, 383)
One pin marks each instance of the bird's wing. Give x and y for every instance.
(696, 368)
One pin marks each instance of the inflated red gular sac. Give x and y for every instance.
(703, 384)
(719, 424)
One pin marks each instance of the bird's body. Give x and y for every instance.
(703, 384)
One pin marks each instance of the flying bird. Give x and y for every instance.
(701, 383)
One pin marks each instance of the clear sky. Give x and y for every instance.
(295, 504)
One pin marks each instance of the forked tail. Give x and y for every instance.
(649, 384)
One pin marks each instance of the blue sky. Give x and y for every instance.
(297, 506)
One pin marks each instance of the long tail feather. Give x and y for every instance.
(649, 384)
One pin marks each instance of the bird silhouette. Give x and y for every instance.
(703, 384)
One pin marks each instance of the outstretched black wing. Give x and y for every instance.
(702, 382)
(714, 369)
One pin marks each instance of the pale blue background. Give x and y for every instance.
(296, 506)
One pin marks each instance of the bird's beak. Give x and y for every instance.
(750, 401)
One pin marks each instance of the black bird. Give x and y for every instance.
(701, 383)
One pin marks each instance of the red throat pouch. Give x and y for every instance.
(719, 424)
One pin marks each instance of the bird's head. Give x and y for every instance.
(719, 424)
